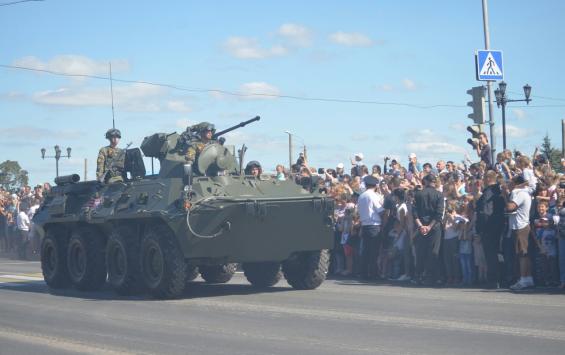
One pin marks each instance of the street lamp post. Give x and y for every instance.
(502, 100)
(57, 156)
(289, 150)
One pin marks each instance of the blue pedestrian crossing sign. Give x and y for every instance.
(489, 65)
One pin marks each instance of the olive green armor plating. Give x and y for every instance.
(154, 232)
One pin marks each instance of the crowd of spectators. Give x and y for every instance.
(18, 236)
(469, 224)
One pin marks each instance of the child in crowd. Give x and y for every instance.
(466, 249)
(546, 253)
(454, 224)
(347, 238)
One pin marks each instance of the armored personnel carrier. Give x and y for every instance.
(156, 233)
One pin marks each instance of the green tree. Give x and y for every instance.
(551, 153)
(12, 176)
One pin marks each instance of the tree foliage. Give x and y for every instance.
(552, 154)
(12, 176)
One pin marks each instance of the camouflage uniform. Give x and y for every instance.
(196, 146)
(194, 150)
(108, 162)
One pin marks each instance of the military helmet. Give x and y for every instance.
(113, 132)
(251, 165)
(204, 126)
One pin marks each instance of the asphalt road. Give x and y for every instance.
(341, 317)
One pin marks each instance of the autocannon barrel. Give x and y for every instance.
(242, 124)
(67, 179)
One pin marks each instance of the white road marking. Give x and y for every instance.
(21, 277)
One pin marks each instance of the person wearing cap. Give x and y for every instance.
(413, 166)
(518, 207)
(340, 172)
(357, 162)
(428, 210)
(107, 155)
(205, 131)
(370, 210)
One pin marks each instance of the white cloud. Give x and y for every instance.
(178, 106)
(429, 143)
(249, 48)
(182, 123)
(459, 127)
(409, 84)
(73, 64)
(351, 39)
(385, 87)
(134, 97)
(30, 133)
(259, 90)
(515, 132)
(519, 113)
(296, 34)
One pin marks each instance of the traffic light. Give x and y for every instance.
(478, 104)
(475, 131)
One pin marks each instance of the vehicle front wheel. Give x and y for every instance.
(86, 259)
(54, 258)
(263, 274)
(162, 263)
(122, 261)
(217, 274)
(306, 270)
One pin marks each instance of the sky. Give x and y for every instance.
(388, 59)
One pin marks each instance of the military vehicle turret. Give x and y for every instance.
(155, 233)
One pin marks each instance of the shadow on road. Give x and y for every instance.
(197, 289)
(477, 289)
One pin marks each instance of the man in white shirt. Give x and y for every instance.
(370, 210)
(23, 224)
(518, 207)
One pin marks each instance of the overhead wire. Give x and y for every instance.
(241, 94)
(17, 2)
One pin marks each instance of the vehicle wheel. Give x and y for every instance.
(54, 258)
(122, 261)
(191, 272)
(263, 274)
(162, 263)
(86, 260)
(306, 270)
(217, 274)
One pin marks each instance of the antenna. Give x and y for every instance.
(112, 94)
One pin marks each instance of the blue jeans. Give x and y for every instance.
(466, 267)
(562, 260)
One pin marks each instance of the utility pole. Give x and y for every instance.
(489, 90)
(289, 150)
(563, 138)
(85, 169)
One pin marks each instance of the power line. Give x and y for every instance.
(233, 93)
(240, 94)
(16, 2)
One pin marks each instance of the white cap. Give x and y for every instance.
(340, 166)
(412, 155)
(359, 155)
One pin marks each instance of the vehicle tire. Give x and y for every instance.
(263, 274)
(163, 267)
(54, 258)
(306, 270)
(86, 259)
(217, 274)
(122, 261)
(191, 272)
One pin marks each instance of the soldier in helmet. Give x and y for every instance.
(253, 168)
(108, 162)
(205, 132)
